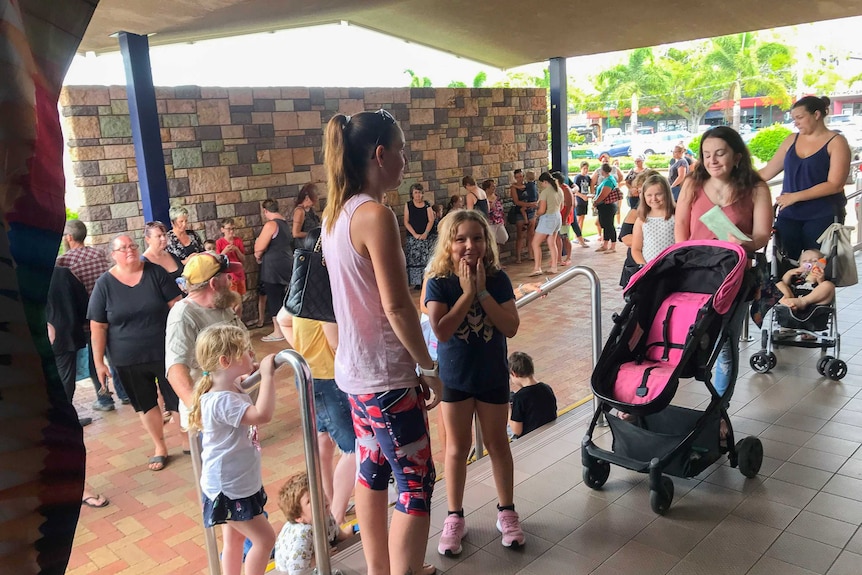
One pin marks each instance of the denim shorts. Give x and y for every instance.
(333, 414)
(549, 224)
(223, 509)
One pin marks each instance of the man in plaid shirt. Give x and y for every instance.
(87, 264)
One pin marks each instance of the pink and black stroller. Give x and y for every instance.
(673, 326)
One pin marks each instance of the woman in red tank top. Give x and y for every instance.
(724, 177)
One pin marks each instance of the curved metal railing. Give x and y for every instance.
(595, 313)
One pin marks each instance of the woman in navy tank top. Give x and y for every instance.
(815, 162)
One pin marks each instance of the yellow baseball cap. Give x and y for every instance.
(204, 266)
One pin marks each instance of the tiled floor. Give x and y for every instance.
(801, 515)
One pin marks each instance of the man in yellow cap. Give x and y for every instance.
(205, 279)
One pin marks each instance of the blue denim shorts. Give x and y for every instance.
(549, 224)
(223, 509)
(333, 414)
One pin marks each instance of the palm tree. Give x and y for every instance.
(416, 81)
(692, 87)
(751, 68)
(640, 75)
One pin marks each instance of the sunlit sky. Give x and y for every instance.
(350, 56)
(340, 55)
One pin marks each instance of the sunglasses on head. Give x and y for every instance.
(388, 118)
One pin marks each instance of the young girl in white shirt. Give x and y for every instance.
(231, 482)
(653, 230)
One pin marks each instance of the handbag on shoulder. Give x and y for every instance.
(310, 295)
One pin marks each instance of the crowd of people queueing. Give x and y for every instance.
(374, 372)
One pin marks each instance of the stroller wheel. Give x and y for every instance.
(762, 362)
(836, 369)
(821, 364)
(749, 453)
(597, 474)
(660, 500)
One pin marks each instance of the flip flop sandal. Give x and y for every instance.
(93, 501)
(160, 460)
(534, 274)
(270, 338)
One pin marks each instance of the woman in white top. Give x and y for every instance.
(380, 340)
(550, 200)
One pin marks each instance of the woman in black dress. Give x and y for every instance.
(418, 219)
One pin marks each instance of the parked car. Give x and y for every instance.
(660, 143)
(836, 120)
(613, 148)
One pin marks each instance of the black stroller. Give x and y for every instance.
(673, 326)
(814, 327)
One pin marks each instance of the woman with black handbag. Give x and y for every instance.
(381, 347)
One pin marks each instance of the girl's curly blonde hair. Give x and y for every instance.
(441, 261)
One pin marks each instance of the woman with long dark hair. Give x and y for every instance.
(380, 342)
(304, 217)
(725, 177)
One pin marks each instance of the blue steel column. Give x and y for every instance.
(145, 127)
(559, 116)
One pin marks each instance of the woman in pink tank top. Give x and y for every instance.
(381, 346)
(724, 177)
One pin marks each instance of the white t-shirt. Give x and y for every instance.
(231, 453)
(294, 548)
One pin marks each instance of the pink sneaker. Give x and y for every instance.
(509, 525)
(454, 529)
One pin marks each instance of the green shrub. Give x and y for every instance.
(764, 145)
(694, 145)
(70, 215)
(657, 162)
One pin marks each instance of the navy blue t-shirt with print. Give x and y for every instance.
(474, 360)
(582, 183)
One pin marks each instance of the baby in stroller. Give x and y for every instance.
(806, 316)
(806, 285)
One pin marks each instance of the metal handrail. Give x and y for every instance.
(305, 385)
(596, 316)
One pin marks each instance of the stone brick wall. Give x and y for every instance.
(227, 149)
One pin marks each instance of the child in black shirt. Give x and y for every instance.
(534, 404)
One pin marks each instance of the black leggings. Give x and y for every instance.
(606, 220)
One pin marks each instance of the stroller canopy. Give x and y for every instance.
(702, 266)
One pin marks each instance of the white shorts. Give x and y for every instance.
(501, 236)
